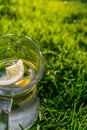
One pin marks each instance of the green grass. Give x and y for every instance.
(60, 30)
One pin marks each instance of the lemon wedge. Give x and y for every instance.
(13, 73)
(23, 82)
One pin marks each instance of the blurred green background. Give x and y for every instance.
(59, 27)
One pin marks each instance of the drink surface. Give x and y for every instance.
(16, 72)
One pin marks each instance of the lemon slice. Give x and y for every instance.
(13, 73)
(23, 82)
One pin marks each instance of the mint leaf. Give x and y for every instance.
(2, 67)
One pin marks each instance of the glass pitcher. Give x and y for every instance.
(19, 103)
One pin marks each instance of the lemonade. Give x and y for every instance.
(16, 74)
